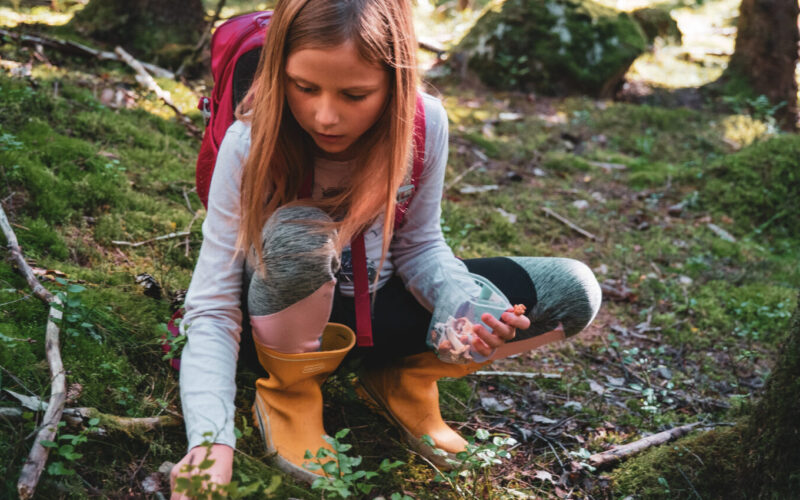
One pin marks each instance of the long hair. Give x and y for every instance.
(281, 152)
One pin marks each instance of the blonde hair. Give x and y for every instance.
(281, 153)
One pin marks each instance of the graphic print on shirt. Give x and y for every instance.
(345, 274)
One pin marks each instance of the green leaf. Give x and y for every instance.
(482, 434)
(342, 433)
(75, 289)
(93, 422)
(48, 444)
(58, 469)
(330, 467)
(206, 464)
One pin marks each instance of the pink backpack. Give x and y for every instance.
(235, 52)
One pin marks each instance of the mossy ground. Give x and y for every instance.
(691, 333)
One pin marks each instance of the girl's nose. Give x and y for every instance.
(326, 115)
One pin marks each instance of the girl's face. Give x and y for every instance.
(335, 96)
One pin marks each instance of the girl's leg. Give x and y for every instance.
(561, 296)
(290, 302)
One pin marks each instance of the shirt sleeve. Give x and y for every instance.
(423, 259)
(213, 318)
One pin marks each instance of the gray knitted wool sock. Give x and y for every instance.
(297, 258)
(567, 293)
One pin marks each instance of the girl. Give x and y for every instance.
(319, 154)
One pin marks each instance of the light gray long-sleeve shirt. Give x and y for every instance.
(418, 254)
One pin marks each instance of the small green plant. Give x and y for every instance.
(194, 482)
(75, 316)
(469, 476)
(64, 448)
(342, 478)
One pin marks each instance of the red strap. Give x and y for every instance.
(361, 286)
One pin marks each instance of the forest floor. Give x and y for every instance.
(695, 295)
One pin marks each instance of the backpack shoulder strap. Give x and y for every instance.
(407, 192)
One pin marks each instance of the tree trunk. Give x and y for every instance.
(157, 31)
(773, 430)
(766, 53)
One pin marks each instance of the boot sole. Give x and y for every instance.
(281, 463)
(376, 404)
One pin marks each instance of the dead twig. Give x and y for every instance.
(461, 175)
(151, 240)
(548, 211)
(80, 49)
(617, 453)
(16, 255)
(147, 81)
(189, 231)
(518, 374)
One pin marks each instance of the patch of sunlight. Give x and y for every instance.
(709, 36)
(443, 28)
(10, 17)
(742, 130)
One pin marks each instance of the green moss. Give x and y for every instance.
(565, 163)
(553, 46)
(758, 187)
(455, 396)
(705, 463)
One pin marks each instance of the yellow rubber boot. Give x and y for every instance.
(405, 392)
(288, 406)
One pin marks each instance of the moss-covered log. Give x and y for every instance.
(159, 31)
(553, 47)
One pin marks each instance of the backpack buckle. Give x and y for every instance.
(204, 105)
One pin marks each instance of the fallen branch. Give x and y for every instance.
(16, 254)
(158, 238)
(567, 223)
(32, 469)
(617, 453)
(147, 81)
(518, 374)
(78, 417)
(80, 49)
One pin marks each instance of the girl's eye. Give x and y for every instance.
(355, 97)
(305, 90)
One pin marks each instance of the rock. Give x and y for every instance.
(553, 47)
(580, 204)
(658, 23)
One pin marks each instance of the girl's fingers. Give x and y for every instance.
(490, 339)
(518, 322)
(502, 329)
(479, 344)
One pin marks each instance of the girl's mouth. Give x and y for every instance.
(328, 137)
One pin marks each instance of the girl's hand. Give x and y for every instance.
(220, 472)
(503, 331)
